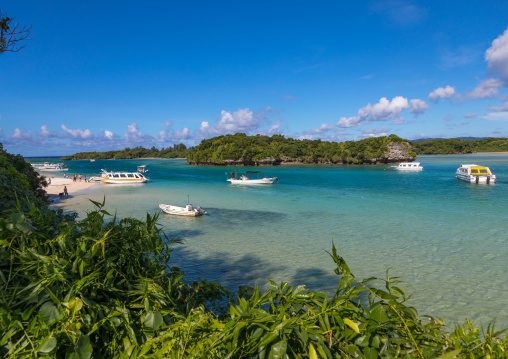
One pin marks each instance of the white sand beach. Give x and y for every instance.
(58, 183)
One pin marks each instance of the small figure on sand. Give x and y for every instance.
(74, 177)
(66, 194)
(80, 177)
(49, 181)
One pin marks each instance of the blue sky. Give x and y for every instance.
(102, 75)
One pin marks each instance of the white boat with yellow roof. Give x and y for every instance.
(475, 174)
(122, 177)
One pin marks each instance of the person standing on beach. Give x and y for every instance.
(80, 177)
(66, 194)
(74, 178)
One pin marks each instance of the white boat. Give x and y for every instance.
(92, 160)
(122, 177)
(50, 167)
(475, 174)
(182, 211)
(251, 177)
(142, 169)
(408, 166)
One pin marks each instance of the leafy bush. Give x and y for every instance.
(103, 288)
(19, 182)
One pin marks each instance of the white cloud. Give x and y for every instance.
(497, 57)
(384, 110)
(109, 135)
(19, 135)
(78, 134)
(243, 120)
(470, 115)
(499, 108)
(133, 135)
(418, 106)
(442, 92)
(376, 132)
(486, 89)
(496, 116)
(45, 132)
(322, 129)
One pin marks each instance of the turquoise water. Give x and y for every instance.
(446, 238)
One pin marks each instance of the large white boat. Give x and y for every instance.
(251, 177)
(408, 166)
(50, 167)
(475, 174)
(188, 210)
(122, 177)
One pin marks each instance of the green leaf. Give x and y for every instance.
(153, 320)
(49, 313)
(84, 348)
(312, 352)
(370, 353)
(352, 325)
(278, 350)
(47, 345)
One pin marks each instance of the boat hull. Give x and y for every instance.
(127, 180)
(416, 169)
(476, 179)
(181, 211)
(253, 181)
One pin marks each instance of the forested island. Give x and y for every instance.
(452, 146)
(240, 149)
(100, 287)
(177, 151)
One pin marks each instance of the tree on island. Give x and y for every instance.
(12, 34)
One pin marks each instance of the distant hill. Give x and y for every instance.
(177, 151)
(460, 145)
(455, 138)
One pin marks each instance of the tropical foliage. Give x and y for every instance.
(276, 149)
(19, 181)
(458, 146)
(177, 151)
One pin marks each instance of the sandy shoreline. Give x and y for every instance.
(58, 183)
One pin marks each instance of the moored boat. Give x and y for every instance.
(188, 210)
(142, 169)
(408, 166)
(251, 177)
(475, 174)
(122, 177)
(50, 167)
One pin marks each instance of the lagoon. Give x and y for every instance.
(445, 238)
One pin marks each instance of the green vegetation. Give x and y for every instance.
(105, 288)
(177, 151)
(19, 182)
(240, 148)
(457, 146)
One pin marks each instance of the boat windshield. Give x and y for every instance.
(480, 171)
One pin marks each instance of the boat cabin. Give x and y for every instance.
(142, 169)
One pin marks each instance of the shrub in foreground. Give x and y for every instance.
(103, 288)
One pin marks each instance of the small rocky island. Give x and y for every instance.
(242, 150)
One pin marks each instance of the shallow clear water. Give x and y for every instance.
(447, 239)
